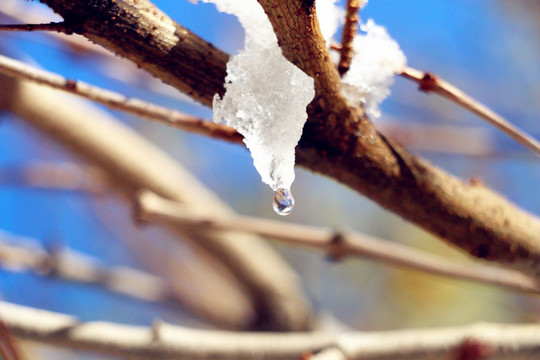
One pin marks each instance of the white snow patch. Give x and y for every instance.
(377, 58)
(266, 96)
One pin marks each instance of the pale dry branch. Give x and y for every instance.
(446, 139)
(429, 82)
(55, 176)
(336, 245)
(66, 264)
(164, 341)
(115, 100)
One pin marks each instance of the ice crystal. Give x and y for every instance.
(266, 96)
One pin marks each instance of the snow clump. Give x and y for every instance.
(377, 58)
(266, 96)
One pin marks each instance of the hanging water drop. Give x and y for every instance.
(283, 202)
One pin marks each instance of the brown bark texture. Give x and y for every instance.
(338, 140)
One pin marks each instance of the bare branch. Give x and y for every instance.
(57, 27)
(55, 176)
(336, 245)
(349, 31)
(428, 82)
(164, 341)
(69, 265)
(115, 100)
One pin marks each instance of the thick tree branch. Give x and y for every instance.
(145, 35)
(338, 141)
(164, 341)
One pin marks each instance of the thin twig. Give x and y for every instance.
(429, 82)
(69, 265)
(349, 31)
(53, 26)
(115, 100)
(55, 176)
(165, 341)
(337, 245)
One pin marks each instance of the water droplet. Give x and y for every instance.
(283, 202)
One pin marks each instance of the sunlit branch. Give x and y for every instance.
(349, 31)
(431, 83)
(115, 100)
(165, 341)
(337, 245)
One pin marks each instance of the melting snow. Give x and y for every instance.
(266, 96)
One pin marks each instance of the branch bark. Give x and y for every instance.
(164, 341)
(338, 140)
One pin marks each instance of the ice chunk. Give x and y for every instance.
(266, 96)
(377, 58)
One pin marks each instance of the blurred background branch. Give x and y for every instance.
(336, 244)
(132, 164)
(164, 341)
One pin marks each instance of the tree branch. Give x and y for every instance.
(428, 82)
(421, 137)
(68, 265)
(337, 245)
(58, 27)
(118, 101)
(338, 141)
(164, 341)
(55, 176)
(350, 29)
